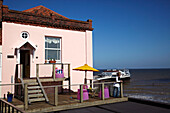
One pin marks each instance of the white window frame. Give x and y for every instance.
(57, 61)
(28, 35)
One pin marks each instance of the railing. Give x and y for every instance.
(53, 70)
(6, 107)
(55, 99)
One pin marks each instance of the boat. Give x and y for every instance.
(111, 74)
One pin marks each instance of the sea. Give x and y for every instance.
(148, 84)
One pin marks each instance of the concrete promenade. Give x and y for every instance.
(122, 107)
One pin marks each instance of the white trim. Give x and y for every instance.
(18, 56)
(26, 33)
(55, 49)
(33, 53)
(0, 67)
(25, 43)
(53, 35)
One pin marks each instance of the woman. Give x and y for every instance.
(116, 91)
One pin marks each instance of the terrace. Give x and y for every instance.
(35, 95)
(65, 100)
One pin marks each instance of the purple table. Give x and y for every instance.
(106, 93)
(85, 94)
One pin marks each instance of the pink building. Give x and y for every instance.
(37, 35)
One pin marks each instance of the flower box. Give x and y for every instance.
(52, 61)
(59, 73)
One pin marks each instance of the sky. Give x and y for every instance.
(127, 33)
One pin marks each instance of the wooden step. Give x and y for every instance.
(33, 83)
(34, 91)
(35, 95)
(33, 87)
(36, 99)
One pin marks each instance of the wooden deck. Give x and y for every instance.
(65, 101)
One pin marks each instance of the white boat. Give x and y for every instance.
(111, 74)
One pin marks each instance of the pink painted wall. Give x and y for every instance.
(73, 50)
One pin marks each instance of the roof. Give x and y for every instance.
(42, 16)
(43, 11)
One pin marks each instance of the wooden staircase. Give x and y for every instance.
(36, 92)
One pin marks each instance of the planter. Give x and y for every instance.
(52, 61)
(45, 61)
(9, 97)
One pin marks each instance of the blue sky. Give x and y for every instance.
(127, 33)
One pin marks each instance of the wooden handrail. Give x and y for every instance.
(46, 98)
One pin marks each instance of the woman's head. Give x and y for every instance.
(118, 74)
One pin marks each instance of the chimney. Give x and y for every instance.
(90, 23)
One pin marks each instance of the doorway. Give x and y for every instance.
(25, 60)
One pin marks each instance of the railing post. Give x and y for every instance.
(9, 109)
(102, 91)
(69, 78)
(81, 93)
(5, 108)
(121, 89)
(25, 96)
(56, 96)
(21, 71)
(2, 107)
(37, 70)
(54, 72)
(62, 66)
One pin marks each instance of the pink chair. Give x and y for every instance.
(85, 94)
(106, 93)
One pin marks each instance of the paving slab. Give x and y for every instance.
(122, 107)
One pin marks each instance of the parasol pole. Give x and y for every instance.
(86, 45)
(85, 81)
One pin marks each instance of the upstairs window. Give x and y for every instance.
(24, 35)
(53, 49)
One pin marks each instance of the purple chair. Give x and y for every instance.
(106, 93)
(85, 94)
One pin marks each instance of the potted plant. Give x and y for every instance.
(45, 60)
(52, 61)
(9, 97)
